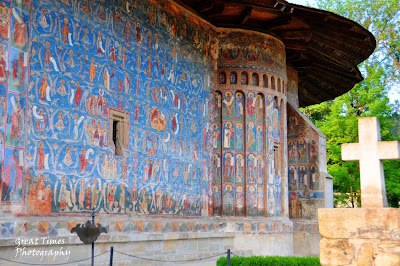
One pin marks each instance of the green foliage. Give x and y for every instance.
(338, 118)
(269, 260)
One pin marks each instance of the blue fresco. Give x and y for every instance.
(88, 58)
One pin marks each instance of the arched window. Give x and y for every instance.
(254, 79)
(283, 86)
(265, 81)
(279, 85)
(233, 77)
(244, 78)
(222, 77)
(273, 83)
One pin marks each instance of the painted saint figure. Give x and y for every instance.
(228, 167)
(64, 197)
(228, 136)
(228, 104)
(41, 157)
(44, 88)
(12, 183)
(20, 32)
(68, 158)
(17, 120)
(251, 137)
(18, 70)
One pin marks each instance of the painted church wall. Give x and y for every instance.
(249, 121)
(69, 69)
(306, 154)
(65, 68)
(292, 87)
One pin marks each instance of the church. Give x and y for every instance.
(177, 122)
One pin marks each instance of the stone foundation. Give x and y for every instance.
(161, 239)
(359, 236)
(305, 238)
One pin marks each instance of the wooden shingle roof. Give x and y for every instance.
(323, 47)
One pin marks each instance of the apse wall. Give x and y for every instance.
(249, 125)
(74, 67)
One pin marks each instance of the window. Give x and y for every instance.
(279, 85)
(273, 83)
(233, 78)
(254, 79)
(222, 77)
(265, 81)
(119, 128)
(244, 78)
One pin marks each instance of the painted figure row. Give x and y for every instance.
(234, 201)
(302, 151)
(304, 177)
(70, 195)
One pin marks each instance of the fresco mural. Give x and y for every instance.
(189, 148)
(250, 124)
(305, 185)
(60, 81)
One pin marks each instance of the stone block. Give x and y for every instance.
(360, 223)
(366, 255)
(169, 246)
(387, 259)
(203, 245)
(335, 252)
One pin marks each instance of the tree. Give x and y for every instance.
(338, 118)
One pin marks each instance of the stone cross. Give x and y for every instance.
(370, 151)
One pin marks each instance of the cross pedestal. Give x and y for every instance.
(370, 151)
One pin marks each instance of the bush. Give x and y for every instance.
(270, 260)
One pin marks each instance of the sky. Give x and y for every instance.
(303, 2)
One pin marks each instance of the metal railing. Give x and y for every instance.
(112, 251)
